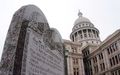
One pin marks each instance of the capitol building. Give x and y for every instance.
(87, 54)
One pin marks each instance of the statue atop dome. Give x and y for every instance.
(80, 14)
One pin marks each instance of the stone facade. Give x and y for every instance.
(87, 55)
(74, 58)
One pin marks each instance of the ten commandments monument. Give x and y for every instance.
(31, 46)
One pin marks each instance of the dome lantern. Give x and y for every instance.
(80, 14)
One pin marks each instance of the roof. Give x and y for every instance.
(81, 19)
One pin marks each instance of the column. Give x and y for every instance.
(82, 33)
(96, 34)
(106, 60)
(92, 34)
(81, 70)
(70, 66)
(92, 64)
(74, 37)
(98, 63)
(87, 33)
(118, 44)
(77, 36)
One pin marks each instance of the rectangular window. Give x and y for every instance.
(110, 61)
(76, 61)
(74, 71)
(96, 59)
(116, 59)
(97, 68)
(81, 36)
(118, 72)
(112, 73)
(113, 60)
(116, 46)
(77, 71)
(119, 57)
(85, 35)
(103, 66)
(108, 50)
(99, 57)
(73, 60)
(113, 46)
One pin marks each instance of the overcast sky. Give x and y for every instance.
(61, 14)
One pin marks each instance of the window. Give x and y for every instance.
(100, 56)
(74, 49)
(108, 50)
(87, 42)
(116, 59)
(118, 72)
(85, 35)
(75, 34)
(110, 61)
(95, 59)
(112, 73)
(116, 46)
(97, 35)
(104, 74)
(113, 60)
(92, 41)
(81, 43)
(80, 32)
(76, 71)
(81, 36)
(119, 57)
(112, 48)
(96, 68)
(102, 67)
(75, 61)
(73, 38)
(83, 24)
(89, 34)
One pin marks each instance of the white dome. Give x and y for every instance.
(81, 19)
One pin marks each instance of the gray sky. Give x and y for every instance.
(61, 14)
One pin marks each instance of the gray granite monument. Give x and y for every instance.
(31, 46)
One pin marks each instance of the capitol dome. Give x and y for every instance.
(84, 32)
(81, 19)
